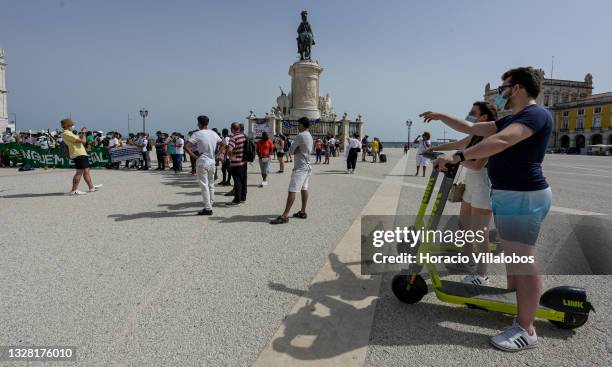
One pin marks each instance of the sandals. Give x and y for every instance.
(300, 215)
(280, 220)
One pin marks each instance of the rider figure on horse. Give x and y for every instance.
(305, 38)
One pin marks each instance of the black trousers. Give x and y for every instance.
(225, 168)
(351, 160)
(161, 164)
(239, 174)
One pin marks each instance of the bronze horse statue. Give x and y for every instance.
(305, 38)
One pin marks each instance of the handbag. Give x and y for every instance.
(455, 194)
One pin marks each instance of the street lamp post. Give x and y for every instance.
(408, 125)
(144, 113)
(14, 120)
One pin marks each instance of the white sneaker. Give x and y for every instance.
(76, 192)
(95, 188)
(476, 279)
(514, 339)
(264, 183)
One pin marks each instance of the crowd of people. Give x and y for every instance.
(502, 159)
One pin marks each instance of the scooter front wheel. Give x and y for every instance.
(406, 292)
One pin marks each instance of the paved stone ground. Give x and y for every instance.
(131, 276)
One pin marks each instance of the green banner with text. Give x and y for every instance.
(34, 156)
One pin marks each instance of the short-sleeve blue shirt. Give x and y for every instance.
(519, 168)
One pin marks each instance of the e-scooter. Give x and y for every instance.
(565, 306)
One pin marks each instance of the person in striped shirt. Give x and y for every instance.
(238, 166)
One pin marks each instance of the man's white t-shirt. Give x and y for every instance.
(177, 149)
(205, 142)
(113, 142)
(143, 142)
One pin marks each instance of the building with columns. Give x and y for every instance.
(3, 94)
(584, 122)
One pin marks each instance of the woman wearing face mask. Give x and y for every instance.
(475, 212)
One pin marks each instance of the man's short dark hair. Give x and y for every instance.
(528, 77)
(235, 126)
(304, 121)
(224, 132)
(203, 120)
(488, 109)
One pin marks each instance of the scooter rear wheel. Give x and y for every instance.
(406, 292)
(572, 321)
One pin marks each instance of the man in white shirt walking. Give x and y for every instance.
(205, 142)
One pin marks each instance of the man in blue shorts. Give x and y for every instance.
(520, 195)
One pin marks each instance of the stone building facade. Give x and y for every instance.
(584, 122)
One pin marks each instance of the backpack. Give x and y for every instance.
(250, 150)
(64, 152)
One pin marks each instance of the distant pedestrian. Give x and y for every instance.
(179, 152)
(288, 155)
(113, 142)
(264, 151)
(365, 145)
(375, 147)
(159, 151)
(205, 142)
(424, 144)
(225, 160)
(318, 150)
(332, 146)
(405, 148)
(351, 152)
(238, 166)
(78, 154)
(142, 143)
(326, 149)
(279, 145)
(300, 176)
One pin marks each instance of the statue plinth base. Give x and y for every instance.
(305, 89)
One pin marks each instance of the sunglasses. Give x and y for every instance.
(502, 87)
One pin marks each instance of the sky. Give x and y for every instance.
(100, 61)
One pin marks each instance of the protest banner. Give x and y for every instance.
(34, 156)
(126, 153)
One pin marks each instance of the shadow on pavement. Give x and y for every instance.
(395, 323)
(245, 218)
(19, 196)
(154, 214)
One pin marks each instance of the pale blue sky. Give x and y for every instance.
(388, 60)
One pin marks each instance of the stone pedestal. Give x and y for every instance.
(305, 90)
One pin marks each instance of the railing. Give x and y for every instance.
(563, 130)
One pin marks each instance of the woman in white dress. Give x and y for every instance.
(424, 144)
